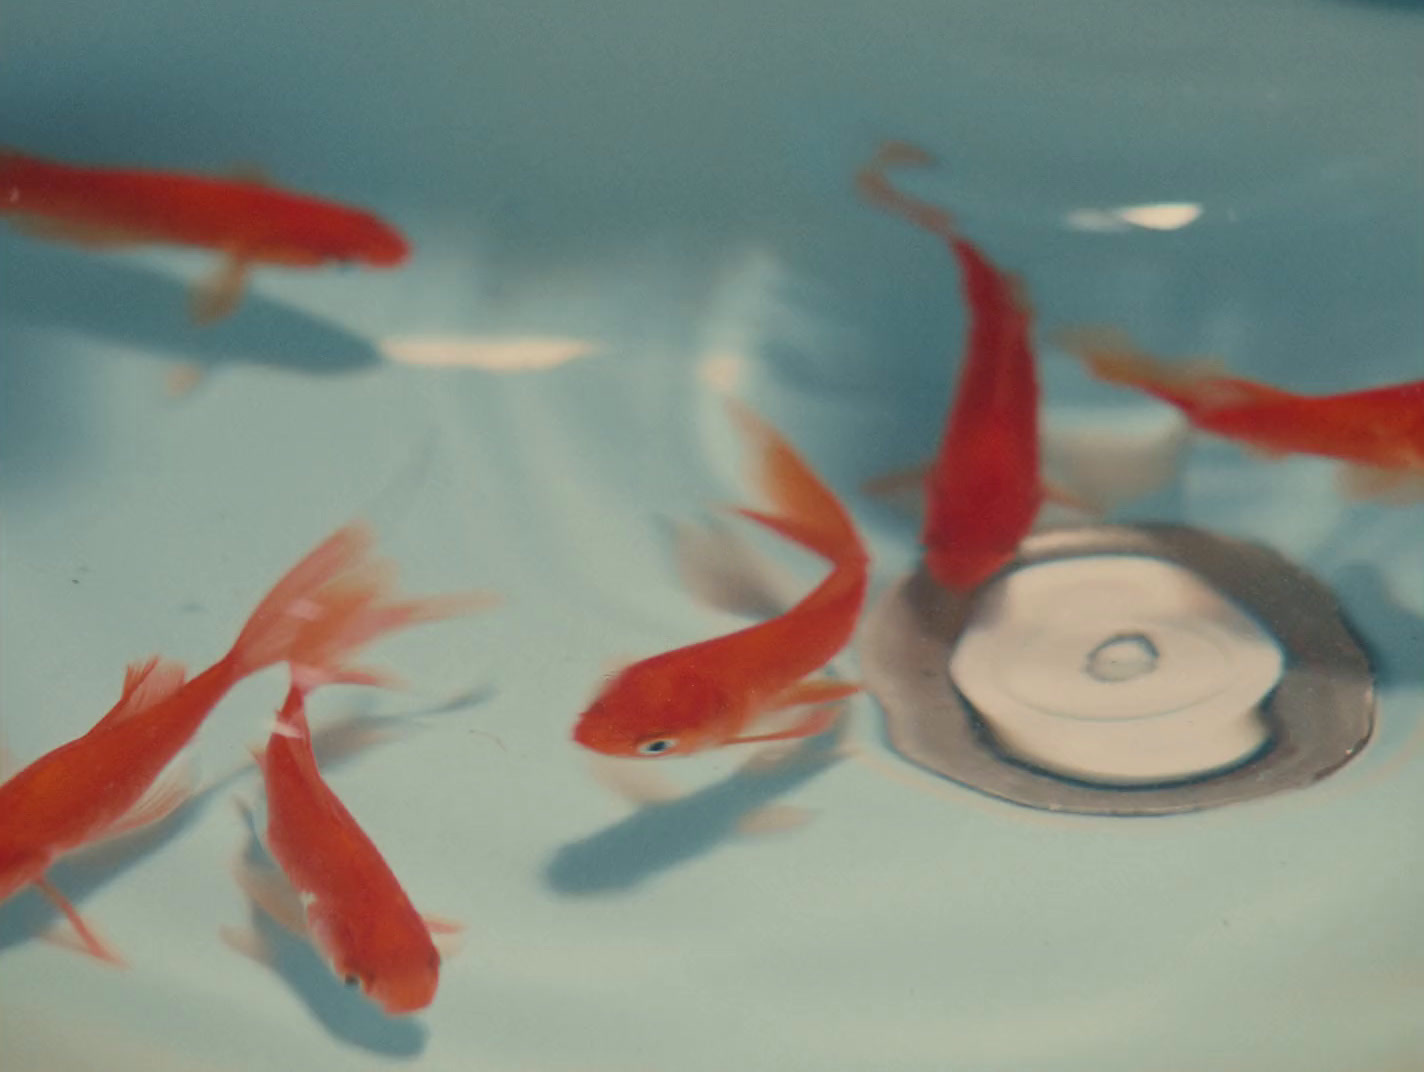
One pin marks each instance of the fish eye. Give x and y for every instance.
(657, 746)
(352, 981)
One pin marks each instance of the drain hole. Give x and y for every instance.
(1122, 657)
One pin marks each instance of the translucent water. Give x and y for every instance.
(617, 208)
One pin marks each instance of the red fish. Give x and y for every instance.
(1378, 432)
(732, 689)
(106, 783)
(247, 221)
(984, 488)
(338, 890)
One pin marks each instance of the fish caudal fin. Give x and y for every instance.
(332, 604)
(806, 510)
(877, 190)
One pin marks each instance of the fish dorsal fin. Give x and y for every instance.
(146, 683)
(252, 174)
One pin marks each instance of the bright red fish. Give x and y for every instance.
(1379, 431)
(731, 689)
(338, 891)
(247, 221)
(984, 488)
(106, 783)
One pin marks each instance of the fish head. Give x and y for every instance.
(392, 960)
(407, 989)
(657, 708)
(379, 245)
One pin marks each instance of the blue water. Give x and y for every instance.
(673, 185)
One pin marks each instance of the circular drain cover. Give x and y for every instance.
(1123, 671)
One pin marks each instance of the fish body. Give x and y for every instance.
(129, 206)
(247, 221)
(984, 488)
(1379, 427)
(719, 691)
(356, 911)
(106, 782)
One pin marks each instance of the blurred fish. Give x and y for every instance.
(108, 782)
(984, 488)
(335, 887)
(1378, 432)
(246, 220)
(731, 689)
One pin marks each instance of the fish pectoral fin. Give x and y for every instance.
(814, 691)
(1398, 487)
(77, 233)
(775, 819)
(83, 940)
(446, 935)
(218, 295)
(249, 942)
(442, 924)
(634, 781)
(821, 719)
(146, 683)
(269, 890)
(183, 379)
(164, 797)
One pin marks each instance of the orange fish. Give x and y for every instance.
(106, 783)
(733, 688)
(247, 221)
(1378, 432)
(984, 488)
(338, 890)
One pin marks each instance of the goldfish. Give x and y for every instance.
(107, 782)
(1378, 432)
(984, 488)
(245, 219)
(335, 887)
(734, 688)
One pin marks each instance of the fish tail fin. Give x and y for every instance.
(806, 510)
(877, 190)
(329, 606)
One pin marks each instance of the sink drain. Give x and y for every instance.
(1123, 671)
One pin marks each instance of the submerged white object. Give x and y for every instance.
(1117, 668)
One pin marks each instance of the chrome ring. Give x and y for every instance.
(1319, 716)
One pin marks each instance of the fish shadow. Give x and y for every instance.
(661, 836)
(140, 308)
(1391, 632)
(344, 1012)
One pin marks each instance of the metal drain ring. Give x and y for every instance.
(1319, 715)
